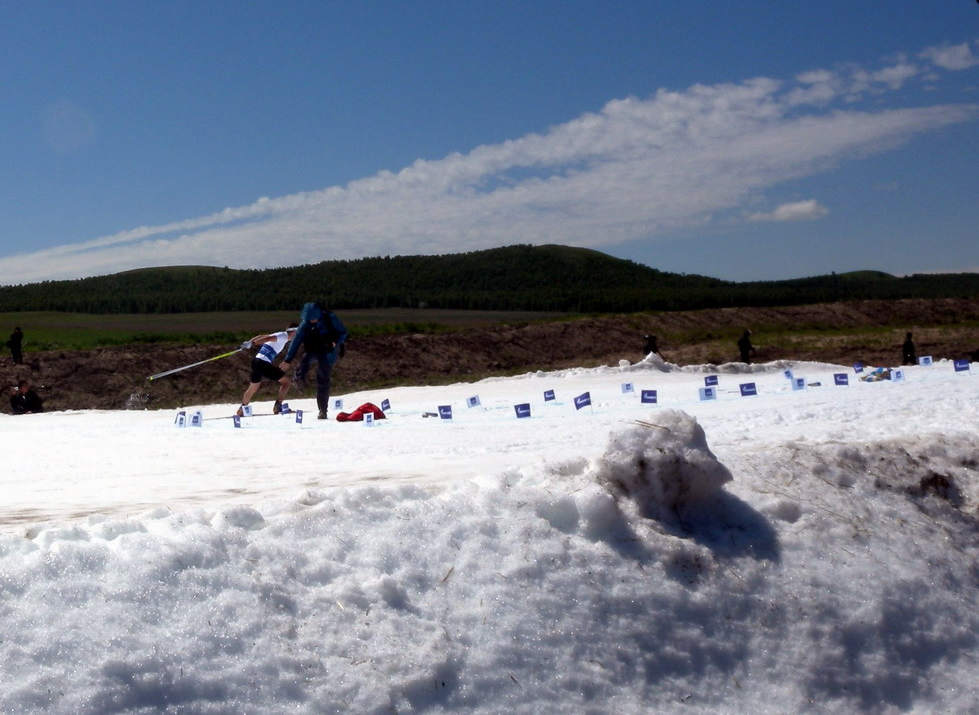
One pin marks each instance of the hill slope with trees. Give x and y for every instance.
(539, 278)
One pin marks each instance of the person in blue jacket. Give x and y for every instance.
(322, 336)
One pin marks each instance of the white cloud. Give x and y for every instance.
(951, 57)
(635, 169)
(808, 210)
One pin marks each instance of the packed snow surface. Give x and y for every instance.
(797, 550)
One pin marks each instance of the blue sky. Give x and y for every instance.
(743, 140)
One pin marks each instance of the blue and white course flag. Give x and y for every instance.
(472, 401)
(925, 360)
(385, 404)
(799, 383)
(897, 375)
(548, 395)
(338, 404)
(648, 397)
(582, 400)
(788, 374)
(748, 389)
(710, 381)
(961, 366)
(522, 410)
(858, 367)
(708, 393)
(628, 388)
(841, 378)
(445, 412)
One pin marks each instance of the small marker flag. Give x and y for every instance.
(648, 397)
(548, 395)
(445, 412)
(522, 410)
(748, 389)
(627, 388)
(858, 367)
(582, 400)
(385, 404)
(925, 360)
(472, 401)
(961, 366)
(708, 393)
(710, 381)
(841, 378)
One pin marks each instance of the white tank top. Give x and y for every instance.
(268, 351)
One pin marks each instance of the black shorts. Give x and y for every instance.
(264, 369)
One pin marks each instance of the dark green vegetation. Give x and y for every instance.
(526, 278)
(45, 330)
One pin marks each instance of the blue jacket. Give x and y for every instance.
(322, 337)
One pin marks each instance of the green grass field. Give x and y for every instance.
(81, 331)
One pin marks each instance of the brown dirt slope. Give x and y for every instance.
(871, 331)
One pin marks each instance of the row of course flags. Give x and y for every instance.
(523, 410)
(708, 392)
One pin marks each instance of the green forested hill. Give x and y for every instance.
(544, 278)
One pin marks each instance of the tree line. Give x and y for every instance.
(522, 277)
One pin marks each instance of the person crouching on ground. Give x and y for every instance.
(322, 336)
(24, 400)
(264, 368)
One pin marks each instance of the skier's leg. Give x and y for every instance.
(250, 392)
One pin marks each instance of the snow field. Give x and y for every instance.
(793, 551)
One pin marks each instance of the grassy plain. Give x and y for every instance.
(82, 331)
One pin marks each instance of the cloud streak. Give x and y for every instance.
(635, 169)
(808, 210)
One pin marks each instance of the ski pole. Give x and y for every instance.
(187, 367)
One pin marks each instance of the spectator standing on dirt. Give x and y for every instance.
(264, 368)
(649, 344)
(909, 356)
(322, 336)
(745, 347)
(14, 343)
(24, 400)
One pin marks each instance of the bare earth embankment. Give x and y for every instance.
(868, 331)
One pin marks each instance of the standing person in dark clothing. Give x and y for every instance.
(14, 343)
(909, 356)
(649, 344)
(24, 400)
(322, 336)
(745, 347)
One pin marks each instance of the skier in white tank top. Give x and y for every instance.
(264, 367)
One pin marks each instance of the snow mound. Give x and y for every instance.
(663, 466)
(767, 368)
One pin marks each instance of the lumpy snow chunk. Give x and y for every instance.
(663, 465)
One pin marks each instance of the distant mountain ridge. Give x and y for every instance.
(520, 277)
